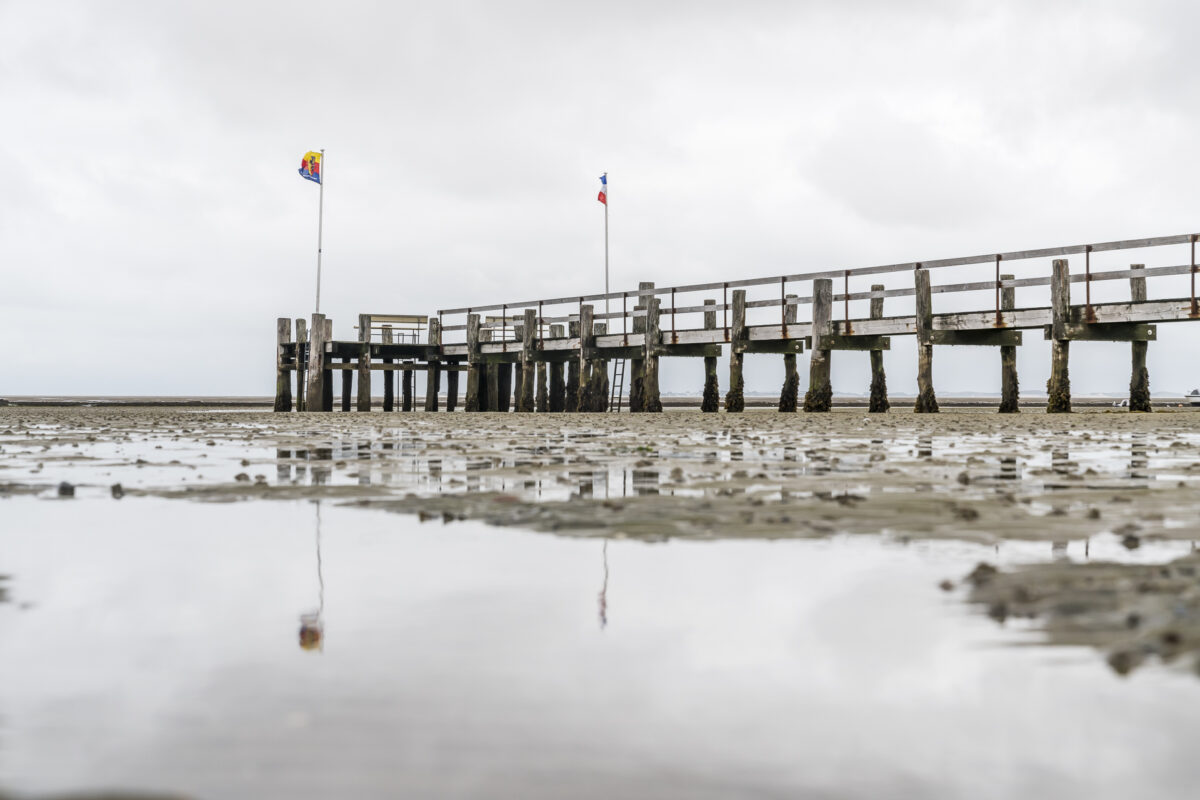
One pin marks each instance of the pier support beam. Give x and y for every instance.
(528, 372)
(301, 361)
(789, 396)
(389, 377)
(735, 401)
(433, 374)
(558, 400)
(879, 399)
(588, 363)
(711, 397)
(542, 398)
(598, 378)
(505, 384)
(574, 369)
(651, 400)
(347, 385)
(283, 381)
(327, 380)
(637, 366)
(1010, 388)
(477, 372)
(1139, 379)
(406, 390)
(926, 399)
(819, 397)
(1059, 386)
(451, 389)
(316, 364)
(364, 363)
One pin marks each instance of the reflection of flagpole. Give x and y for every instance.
(320, 224)
(604, 590)
(320, 577)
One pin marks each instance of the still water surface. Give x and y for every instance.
(157, 647)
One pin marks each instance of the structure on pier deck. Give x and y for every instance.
(557, 362)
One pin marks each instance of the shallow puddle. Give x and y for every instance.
(681, 606)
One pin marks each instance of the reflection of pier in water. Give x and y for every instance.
(558, 466)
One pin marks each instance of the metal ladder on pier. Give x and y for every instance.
(618, 385)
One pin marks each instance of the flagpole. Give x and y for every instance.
(320, 225)
(606, 247)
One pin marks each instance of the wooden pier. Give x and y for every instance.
(552, 355)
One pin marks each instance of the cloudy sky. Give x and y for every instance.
(151, 212)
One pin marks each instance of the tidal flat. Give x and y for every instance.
(241, 604)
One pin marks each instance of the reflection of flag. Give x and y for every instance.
(603, 196)
(310, 166)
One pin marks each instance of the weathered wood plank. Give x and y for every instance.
(993, 338)
(1105, 332)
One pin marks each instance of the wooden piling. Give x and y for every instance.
(433, 373)
(574, 369)
(637, 366)
(406, 390)
(558, 400)
(879, 399)
(347, 385)
(490, 397)
(518, 369)
(651, 400)
(1139, 379)
(451, 389)
(711, 396)
(542, 398)
(1010, 388)
(364, 363)
(525, 400)
(735, 400)
(819, 396)
(315, 392)
(283, 381)
(1058, 388)
(504, 384)
(389, 377)
(327, 380)
(301, 361)
(477, 369)
(598, 377)
(926, 398)
(587, 360)
(789, 396)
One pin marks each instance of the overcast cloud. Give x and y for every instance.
(151, 212)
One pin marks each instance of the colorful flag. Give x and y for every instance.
(310, 167)
(603, 196)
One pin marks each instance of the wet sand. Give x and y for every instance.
(938, 540)
(975, 476)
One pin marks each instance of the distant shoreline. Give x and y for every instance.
(676, 401)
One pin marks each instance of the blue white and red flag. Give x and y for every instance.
(603, 196)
